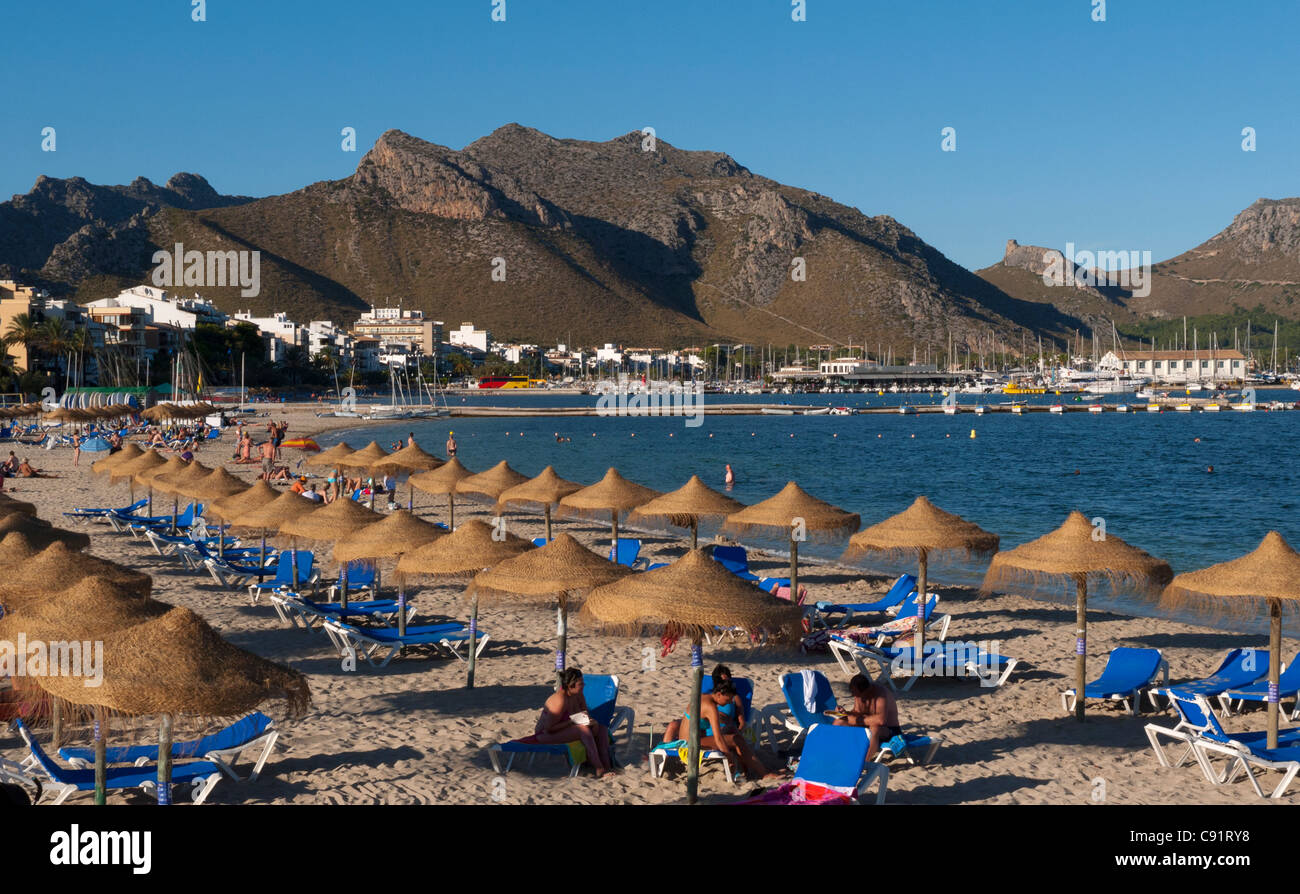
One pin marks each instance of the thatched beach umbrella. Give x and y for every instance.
(14, 549)
(800, 515)
(149, 471)
(175, 483)
(333, 522)
(41, 533)
(255, 496)
(363, 460)
(545, 490)
(443, 480)
(492, 483)
(1268, 577)
(919, 530)
(216, 485)
(399, 533)
(612, 494)
(469, 549)
(56, 568)
(9, 505)
(684, 507)
(129, 451)
(409, 459)
(331, 457)
(269, 517)
(687, 599)
(558, 571)
(1074, 551)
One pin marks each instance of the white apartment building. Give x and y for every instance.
(469, 337)
(165, 308)
(1179, 367)
(278, 331)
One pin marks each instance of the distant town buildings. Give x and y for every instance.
(1179, 367)
(469, 337)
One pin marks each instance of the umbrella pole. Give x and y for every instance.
(451, 511)
(401, 604)
(410, 494)
(922, 585)
(293, 560)
(693, 734)
(473, 643)
(261, 562)
(165, 761)
(547, 512)
(150, 512)
(695, 533)
(794, 570)
(1274, 656)
(614, 552)
(101, 757)
(1080, 644)
(343, 585)
(561, 636)
(176, 505)
(56, 725)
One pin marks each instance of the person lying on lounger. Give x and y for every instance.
(564, 718)
(875, 708)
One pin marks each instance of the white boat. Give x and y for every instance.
(1056, 408)
(1184, 408)
(906, 410)
(1121, 408)
(841, 411)
(1244, 408)
(778, 411)
(1211, 408)
(950, 409)
(817, 411)
(1095, 408)
(979, 411)
(1017, 409)
(1153, 408)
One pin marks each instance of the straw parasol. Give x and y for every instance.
(919, 530)
(544, 490)
(443, 480)
(129, 451)
(688, 598)
(469, 549)
(253, 497)
(801, 515)
(61, 414)
(15, 548)
(399, 533)
(684, 507)
(409, 459)
(492, 483)
(41, 533)
(9, 505)
(332, 522)
(57, 568)
(558, 571)
(612, 494)
(269, 517)
(175, 483)
(331, 457)
(364, 458)
(216, 485)
(1075, 551)
(1269, 576)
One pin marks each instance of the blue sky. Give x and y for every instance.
(1122, 134)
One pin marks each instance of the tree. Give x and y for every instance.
(25, 331)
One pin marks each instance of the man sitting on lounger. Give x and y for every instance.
(564, 718)
(875, 708)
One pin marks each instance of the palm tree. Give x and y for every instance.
(80, 344)
(55, 340)
(25, 331)
(295, 362)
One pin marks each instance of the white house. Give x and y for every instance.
(279, 331)
(1179, 367)
(161, 307)
(469, 337)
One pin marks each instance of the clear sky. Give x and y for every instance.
(1119, 134)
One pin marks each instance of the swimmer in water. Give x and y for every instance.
(730, 478)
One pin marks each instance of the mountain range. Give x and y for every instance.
(543, 239)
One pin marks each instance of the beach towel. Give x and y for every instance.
(800, 792)
(577, 751)
(817, 641)
(868, 635)
(809, 690)
(784, 593)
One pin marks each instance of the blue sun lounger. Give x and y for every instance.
(891, 602)
(201, 776)
(360, 578)
(1239, 668)
(100, 513)
(221, 748)
(600, 691)
(835, 757)
(295, 609)
(368, 642)
(1288, 687)
(284, 574)
(627, 553)
(1127, 672)
(946, 659)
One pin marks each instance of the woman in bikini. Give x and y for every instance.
(720, 715)
(556, 724)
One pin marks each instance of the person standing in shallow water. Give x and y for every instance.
(730, 477)
(451, 444)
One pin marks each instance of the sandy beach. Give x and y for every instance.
(412, 732)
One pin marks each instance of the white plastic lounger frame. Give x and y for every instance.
(354, 641)
(1240, 760)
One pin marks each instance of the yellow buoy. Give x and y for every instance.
(972, 432)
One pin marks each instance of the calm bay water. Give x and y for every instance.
(1145, 474)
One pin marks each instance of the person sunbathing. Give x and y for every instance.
(720, 673)
(564, 718)
(875, 708)
(25, 470)
(719, 731)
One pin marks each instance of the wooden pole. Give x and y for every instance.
(451, 511)
(922, 584)
(473, 647)
(343, 587)
(401, 604)
(101, 757)
(693, 732)
(614, 557)
(695, 533)
(293, 561)
(794, 570)
(561, 635)
(1274, 657)
(547, 512)
(165, 761)
(261, 562)
(56, 725)
(176, 505)
(1080, 643)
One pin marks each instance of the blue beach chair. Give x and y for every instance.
(627, 553)
(1127, 672)
(284, 574)
(891, 602)
(1288, 687)
(100, 513)
(660, 754)
(221, 748)
(369, 642)
(601, 694)
(1239, 668)
(200, 775)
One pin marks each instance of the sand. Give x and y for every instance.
(413, 733)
